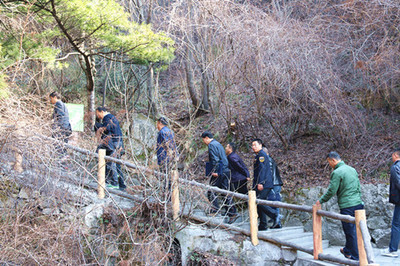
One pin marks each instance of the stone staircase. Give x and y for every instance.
(296, 235)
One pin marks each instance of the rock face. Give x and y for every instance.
(378, 210)
(144, 134)
(237, 249)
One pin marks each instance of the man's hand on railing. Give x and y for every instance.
(318, 203)
(260, 187)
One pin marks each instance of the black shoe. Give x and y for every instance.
(262, 228)
(277, 223)
(233, 218)
(212, 212)
(276, 226)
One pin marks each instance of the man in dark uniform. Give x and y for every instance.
(220, 175)
(394, 198)
(61, 126)
(166, 151)
(275, 194)
(263, 184)
(111, 140)
(239, 172)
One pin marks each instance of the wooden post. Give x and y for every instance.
(253, 217)
(317, 231)
(360, 215)
(18, 161)
(101, 175)
(175, 195)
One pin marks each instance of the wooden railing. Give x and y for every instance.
(366, 256)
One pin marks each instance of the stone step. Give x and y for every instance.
(379, 259)
(275, 232)
(298, 237)
(309, 261)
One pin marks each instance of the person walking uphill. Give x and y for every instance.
(166, 152)
(345, 184)
(394, 197)
(263, 183)
(239, 172)
(111, 141)
(220, 175)
(61, 126)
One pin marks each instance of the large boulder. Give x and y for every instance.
(144, 133)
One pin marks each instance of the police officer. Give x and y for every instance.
(111, 140)
(275, 194)
(263, 184)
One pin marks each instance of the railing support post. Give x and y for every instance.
(253, 217)
(175, 195)
(101, 174)
(18, 161)
(360, 215)
(317, 231)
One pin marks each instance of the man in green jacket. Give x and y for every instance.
(346, 185)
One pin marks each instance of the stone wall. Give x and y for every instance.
(378, 210)
(237, 248)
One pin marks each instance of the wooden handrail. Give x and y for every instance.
(317, 213)
(367, 242)
(277, 204)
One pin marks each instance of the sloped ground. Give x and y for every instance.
(303, 164)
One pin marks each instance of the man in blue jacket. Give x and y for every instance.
(220, 175)
(111, 140)
(394, 197)
(61, 126)
(263, 183)
(166, 152)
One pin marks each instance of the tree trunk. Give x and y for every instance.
(152, 105)
(189, 79)
(205, 92)
(88, 66)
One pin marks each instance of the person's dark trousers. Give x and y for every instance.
(166, 181)
(350, 232)
(62, 136)
(221, 182)
(111, 170)
(240, 186)
(120, 174)
(276, 196)
(263, 210)
(395, 234)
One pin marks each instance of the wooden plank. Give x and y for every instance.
(317, 231)
(18, 161)
(175, 195)
(360, 216)
(253, 217)
(367, 242)
(101, 174)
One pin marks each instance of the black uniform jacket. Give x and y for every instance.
(262, 171)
